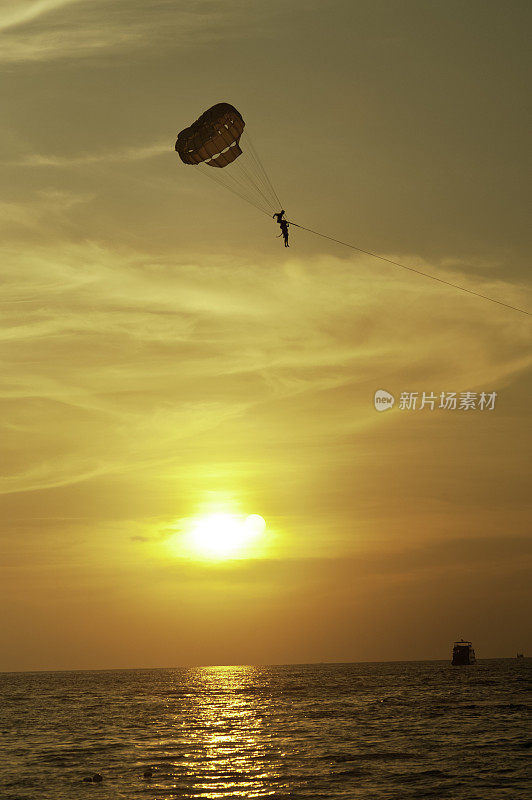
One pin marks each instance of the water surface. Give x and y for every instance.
(395, 730)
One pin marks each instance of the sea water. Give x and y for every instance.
(394, 730)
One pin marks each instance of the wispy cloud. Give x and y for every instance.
(20, 12)
(126, 154)
(113, 343)
(47, 208)
(58, 29)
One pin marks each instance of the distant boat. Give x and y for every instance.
(463, 653)
(520, 655)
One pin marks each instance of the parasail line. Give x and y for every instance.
(240, 191)
(261, 166)
(259, 173)
(412, 269)
(249, 177)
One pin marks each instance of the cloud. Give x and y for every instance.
(115, 358)
(72, 29)
(456, 555)
(126, 154)
(20, 12)
(46, 212)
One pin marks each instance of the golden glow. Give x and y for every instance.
(171, 361)
(222, 535)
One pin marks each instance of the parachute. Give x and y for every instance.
(214, 140)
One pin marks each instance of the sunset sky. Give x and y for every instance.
(165, 359)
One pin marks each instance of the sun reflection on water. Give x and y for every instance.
(225, 750)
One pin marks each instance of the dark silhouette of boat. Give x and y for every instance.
(463, 653)
(520, 655)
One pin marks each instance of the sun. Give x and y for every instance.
(221, 536)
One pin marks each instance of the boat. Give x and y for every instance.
(463, 653)
(520, 655)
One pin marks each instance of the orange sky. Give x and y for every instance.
(165, 358)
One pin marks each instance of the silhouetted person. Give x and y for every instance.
(283, 224)
(284, 230)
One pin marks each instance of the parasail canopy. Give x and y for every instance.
(214, 140)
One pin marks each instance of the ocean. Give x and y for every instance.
(357, 731)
